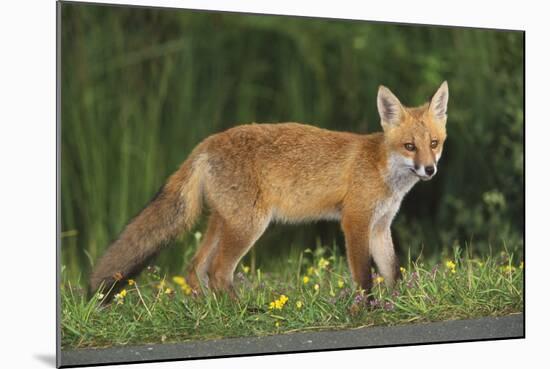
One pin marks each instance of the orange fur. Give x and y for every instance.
(252, 175)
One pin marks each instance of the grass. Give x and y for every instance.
(309, 291)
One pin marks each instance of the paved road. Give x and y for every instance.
(449, 331)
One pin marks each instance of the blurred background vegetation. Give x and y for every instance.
(141, 87)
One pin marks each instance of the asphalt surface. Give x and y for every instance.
(440, 332)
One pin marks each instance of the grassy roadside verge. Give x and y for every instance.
(309, 292)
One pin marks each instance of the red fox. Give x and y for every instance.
(251, 175)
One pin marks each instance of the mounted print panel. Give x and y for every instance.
(244, 184)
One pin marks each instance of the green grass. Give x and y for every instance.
(455, 288)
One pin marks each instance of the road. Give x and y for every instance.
(449, 331)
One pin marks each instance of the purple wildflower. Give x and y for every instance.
(374, 302)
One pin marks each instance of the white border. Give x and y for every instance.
(27, 185)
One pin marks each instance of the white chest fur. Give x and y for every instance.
(400, 180)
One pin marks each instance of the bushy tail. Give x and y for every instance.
(174, 209)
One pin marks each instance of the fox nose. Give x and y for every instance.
(429, 170)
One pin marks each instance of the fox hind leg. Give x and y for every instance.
(235, 239)
(197, 273)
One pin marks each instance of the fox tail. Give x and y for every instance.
(174, 209)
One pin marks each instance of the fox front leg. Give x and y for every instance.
(356, 232)
(383, 253)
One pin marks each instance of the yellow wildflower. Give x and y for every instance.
(186, 289)
(279, 303)
(131, 282)
(299, 305)
(323, 263)
(403, 270)
(379, 279)
(340, 283)
(179, 280)
(277, 324)
(119, 297)
(168, 291)
(310, 270)
(508, 269)
(305, 279)
(246, 269)
(316, 287)
(451, 266)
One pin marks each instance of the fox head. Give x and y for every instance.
(414, 136)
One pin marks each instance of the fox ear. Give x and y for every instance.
(438, 104)
(390, 109)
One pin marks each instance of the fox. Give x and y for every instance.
(254, 174)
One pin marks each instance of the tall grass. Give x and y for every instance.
(140, 88)
(307, 292)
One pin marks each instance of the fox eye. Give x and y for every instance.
(410, 147)
(434, 144)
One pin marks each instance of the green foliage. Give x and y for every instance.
(158, 308)
(141, 87)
